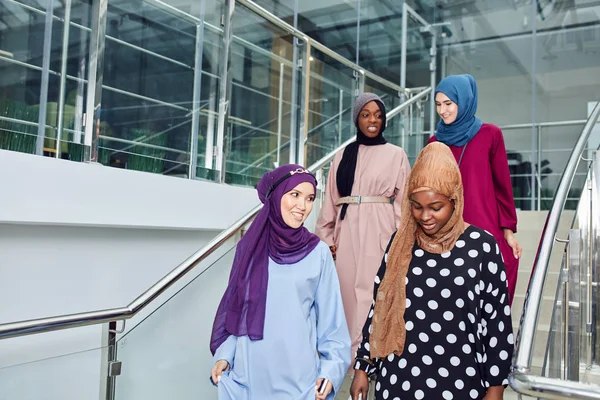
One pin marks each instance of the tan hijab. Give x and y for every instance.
(435, 169)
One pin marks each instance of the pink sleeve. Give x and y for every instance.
(325, 227)
(400, 184)
(507, 212)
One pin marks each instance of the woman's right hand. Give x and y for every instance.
(360, 385)
(333, 250)
(217, 371)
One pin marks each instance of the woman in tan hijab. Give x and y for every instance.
(440, 325)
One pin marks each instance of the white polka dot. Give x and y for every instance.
(455, 361)
(446, 254)
(460, 303)
(446, 293)
(408, 303)
(406, 280)
(367, 346)
(459, 262)
(487, 247)
(447, 395)
(386, 394)
(472, 273)
(371, 312)
(417, 271)
(436, 327)
(377, 280)
(493, 267)
(418, 253)
(470, 371)
(431, 383)
(471, 318)
(412, 348)
(445, 272)
(507, 311)
(384, 372)
(406, 386)
(473, 393)
(460, 244)
(432, 304)
(459, 384)
(489, 308)
(439, 350)
(391, 357)
(471, 338)
(459, 280)
(393, 379)
(473, 253)
(443, 372)
(448, 315)
(479, 358)
(415, 371)
(497, 249)
(378, 386)
(402, 363)
(431, 263)
(494, 370)
(502, 276)
(466, 349)
(424, 337)
(357, 365)
(510, 339)
(420, 314)
(431, 282)
(418, 292)
(493, 342)
(451, 338)
(475, 235)
(427, 360)
(471, 295)
(462, 326)
(409, 325)
(419, 394)
(503, 355)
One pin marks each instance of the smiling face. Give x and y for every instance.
(297, 204)
(370, 120)
(431, 210)
(446, 108)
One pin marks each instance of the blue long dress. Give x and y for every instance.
(305, 336)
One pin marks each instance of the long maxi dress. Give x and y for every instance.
(489, 201)
(459, 337)
(361, 238)
(305, 336)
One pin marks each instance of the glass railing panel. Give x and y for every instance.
(166, 355)
(264, 101)
(330, 105)
(69, 376)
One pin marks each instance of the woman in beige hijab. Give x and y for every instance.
(440, 325)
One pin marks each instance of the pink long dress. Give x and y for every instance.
(489, 201)
(362, 237)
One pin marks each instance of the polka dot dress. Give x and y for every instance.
(459, 338)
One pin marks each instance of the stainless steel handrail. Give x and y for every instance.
(40, 325)
(521, 380)
(414, 99)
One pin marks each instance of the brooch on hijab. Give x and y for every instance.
(288, 175)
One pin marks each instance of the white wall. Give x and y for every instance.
(76, 237)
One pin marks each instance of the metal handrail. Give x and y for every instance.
(521, 380)
(40, 325)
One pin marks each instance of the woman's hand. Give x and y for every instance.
(333, 250)
(328, 389)
(494, 393)
(360, 385)
(513, 243)
(217, 370)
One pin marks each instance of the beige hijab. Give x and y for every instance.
(435, 169)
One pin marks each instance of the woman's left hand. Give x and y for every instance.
(326, 392)
(494, 393)
(513, 243)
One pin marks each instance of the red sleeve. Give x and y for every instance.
(432, 139)
(507, 212)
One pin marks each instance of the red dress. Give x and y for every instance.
(489, 201)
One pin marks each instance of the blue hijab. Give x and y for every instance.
(462, 90)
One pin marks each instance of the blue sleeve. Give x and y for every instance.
(333, 338)
(226, 351)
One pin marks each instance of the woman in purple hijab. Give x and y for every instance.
(280, 328)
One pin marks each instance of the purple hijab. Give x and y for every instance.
(242, 308)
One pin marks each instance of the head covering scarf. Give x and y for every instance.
(347, 168)
(242, 308)
(462, 90)
(435, 169)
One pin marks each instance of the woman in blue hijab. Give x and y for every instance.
(481, 156)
